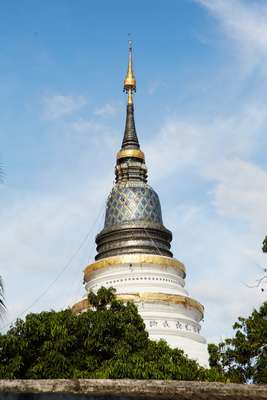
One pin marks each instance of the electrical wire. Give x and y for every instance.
(68, 264)
(88, 257)
(61, 272)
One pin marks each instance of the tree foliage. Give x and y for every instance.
(107, 341)
(243, 358)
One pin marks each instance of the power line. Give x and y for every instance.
(61, 272)
(68, 264)
(88, 257)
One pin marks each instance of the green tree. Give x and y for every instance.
(107, 341)
(243, 358)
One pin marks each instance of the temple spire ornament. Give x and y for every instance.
(130, 139)
(133, 250)
(130, 81)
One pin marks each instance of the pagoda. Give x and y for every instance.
(134, 250)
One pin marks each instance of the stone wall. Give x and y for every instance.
(90, 389)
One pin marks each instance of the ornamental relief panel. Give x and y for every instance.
(178, 325)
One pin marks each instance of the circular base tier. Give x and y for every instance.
(156, 285)
(172, 318)
(194, 350)
(178, 325)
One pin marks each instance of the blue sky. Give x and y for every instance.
(201, 118)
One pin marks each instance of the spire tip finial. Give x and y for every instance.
(129, 81)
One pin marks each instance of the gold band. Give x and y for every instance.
(148, 259)
(168, 298)
(83, 304)
(80, 306)
(130, 153)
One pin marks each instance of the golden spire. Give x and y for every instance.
(129, 81)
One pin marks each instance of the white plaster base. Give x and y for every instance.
(178, 324)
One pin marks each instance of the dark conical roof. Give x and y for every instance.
(130, 139)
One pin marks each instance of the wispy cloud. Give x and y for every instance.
(107, 110)
(46, 230)
(98, 132)
(219, 239)
(155, 85)
(241, 192)
(244, 22)
(58, 105)
(199, 144)
(221, 260)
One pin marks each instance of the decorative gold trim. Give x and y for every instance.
(80, 306)
(168, 298)
(83, 304)
(130, 153)
(132, 259)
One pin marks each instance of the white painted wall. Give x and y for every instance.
(175, 323)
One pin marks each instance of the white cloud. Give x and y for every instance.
(39, 235)
(241, 192)
(245, 22)
(57, 106)
(155, 85)
(106, 110)
(219, 239)
(221, 260)
(38, 225)
(225, 299)
(183, 143)
(45, 228)
(99, 133)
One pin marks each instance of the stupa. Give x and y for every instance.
(134, 250)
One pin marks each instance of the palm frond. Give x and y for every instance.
(2, 297)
